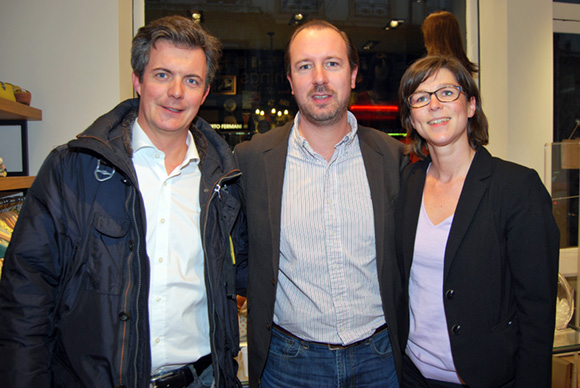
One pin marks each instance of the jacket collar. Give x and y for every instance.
(474, 187)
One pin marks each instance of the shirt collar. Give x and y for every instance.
(141, 141)
(346, 140)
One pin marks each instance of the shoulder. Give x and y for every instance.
(262, 142)
(508, 181)
(211, 144)
(417, 169)
(509, 173)
(382, 139)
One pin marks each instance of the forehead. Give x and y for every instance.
(317, 42)
(441, 77)
(167, 51)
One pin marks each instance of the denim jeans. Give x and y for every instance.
(205, 380)
(294, 363)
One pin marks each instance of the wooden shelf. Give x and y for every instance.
(15, 182)
(10, 110)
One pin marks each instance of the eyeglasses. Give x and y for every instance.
(447, 93)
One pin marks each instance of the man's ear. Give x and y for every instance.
(136, 83)
(289, 76)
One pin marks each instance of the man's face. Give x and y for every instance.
(320, 75)
(172, 90)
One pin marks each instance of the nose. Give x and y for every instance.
(319, 76)
(434, 103)
(175, 89)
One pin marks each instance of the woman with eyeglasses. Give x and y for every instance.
(477, 245)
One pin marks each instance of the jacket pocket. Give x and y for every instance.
(107, 251)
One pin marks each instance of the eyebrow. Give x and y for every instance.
(171, 72)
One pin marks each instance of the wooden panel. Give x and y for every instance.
(10, 110)
(15, 182)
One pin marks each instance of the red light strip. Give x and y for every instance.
(375, 108)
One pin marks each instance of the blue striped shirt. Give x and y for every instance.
(328, 289)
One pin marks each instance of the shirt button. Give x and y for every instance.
(160, 259)
(158, 299)
(450, 294)
(162, 220)
(157, 155)
(456, 329)
(157, 340)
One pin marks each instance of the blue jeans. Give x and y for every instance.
(295, 363)
(205, 380)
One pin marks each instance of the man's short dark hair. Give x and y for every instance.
(182, 32)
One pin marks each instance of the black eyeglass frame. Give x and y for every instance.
(459, 88)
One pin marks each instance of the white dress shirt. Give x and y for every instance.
(328, 289)
(178, 312)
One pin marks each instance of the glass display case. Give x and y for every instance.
(561, 177)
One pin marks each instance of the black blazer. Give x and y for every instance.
(263, 162)
(500, 271)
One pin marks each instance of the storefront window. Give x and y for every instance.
(251, 93)
(565, 153)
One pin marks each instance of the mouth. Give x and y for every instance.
(439, 121)
(174, 110)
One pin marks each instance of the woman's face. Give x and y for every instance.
(443, 124)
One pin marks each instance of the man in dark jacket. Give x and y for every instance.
(119, 273)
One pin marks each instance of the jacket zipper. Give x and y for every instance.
(216, 191)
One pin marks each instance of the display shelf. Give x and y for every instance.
(10, 110)
(15, 113)
(15, 183)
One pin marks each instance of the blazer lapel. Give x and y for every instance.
(473, 190)
(412, 199)
(275, 165)
(374, 166)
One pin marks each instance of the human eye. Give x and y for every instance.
(332, 64)
(419, 98)
(192, 81)
(304, 66)
(161, 75)
(448, 92)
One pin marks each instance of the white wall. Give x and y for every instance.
(66, 52)
(516, 50)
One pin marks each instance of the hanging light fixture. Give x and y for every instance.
(197, 16)
(393, 24)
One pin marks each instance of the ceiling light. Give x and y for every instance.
(197, 16)
(296, 19)
(370, 44)
(394, 24)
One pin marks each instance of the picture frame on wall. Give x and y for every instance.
(224, 84)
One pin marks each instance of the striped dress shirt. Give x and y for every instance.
(328, 289)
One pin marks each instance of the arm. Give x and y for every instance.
(240, 239)
(29, 286)
(533, 252)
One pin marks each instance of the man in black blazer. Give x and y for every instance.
(319, 195)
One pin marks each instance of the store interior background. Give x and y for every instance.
(73, 55)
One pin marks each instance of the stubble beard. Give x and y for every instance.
(327, 117)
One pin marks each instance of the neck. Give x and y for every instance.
(172, 144)
(323, 138)
(450, 164)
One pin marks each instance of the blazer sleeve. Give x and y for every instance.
(532, 244)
